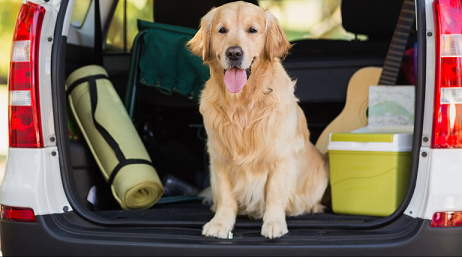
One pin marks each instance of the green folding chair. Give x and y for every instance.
(160, 60)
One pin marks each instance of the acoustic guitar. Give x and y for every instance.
(353, 115)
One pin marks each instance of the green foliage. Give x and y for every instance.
(8, 12)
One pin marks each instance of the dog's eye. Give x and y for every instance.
(252, 30)
(222, 30)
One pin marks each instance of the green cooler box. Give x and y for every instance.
(369, 172)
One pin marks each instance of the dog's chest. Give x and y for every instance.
(250, 193)
(245, 132)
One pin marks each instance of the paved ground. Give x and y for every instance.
(3, 131)
(3, 128)
(3, 120)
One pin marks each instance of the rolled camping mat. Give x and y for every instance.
(112, 138)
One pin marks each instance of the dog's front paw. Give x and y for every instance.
(274, 229)
(216, 229)
(317, 208)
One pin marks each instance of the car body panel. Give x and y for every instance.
(46, 108)
(33, 179)
(51, 236)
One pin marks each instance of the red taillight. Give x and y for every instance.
(24, 107)
(447, 219)
(17, 214)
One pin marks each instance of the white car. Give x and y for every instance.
(55, 199)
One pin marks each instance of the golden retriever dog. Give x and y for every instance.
(262, 162)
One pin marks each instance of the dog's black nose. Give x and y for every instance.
(234, 53)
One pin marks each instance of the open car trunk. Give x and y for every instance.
(171, 129)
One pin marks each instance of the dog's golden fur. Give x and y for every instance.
(262, 162)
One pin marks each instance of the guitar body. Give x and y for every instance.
(353, 115)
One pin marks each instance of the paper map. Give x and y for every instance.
(391, 105)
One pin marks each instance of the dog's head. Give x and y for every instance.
(235, 35)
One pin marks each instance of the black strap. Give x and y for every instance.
(123, 164)
(104, 133)
(82, 80)
(98, 39)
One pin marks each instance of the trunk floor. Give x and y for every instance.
(194, 213)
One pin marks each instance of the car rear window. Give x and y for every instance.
(116, 40)
(80, 12)
(309, 19)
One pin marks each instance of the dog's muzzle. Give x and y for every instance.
(247, 71)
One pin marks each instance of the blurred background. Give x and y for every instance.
(8, 11)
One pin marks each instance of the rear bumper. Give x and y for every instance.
(67, 234)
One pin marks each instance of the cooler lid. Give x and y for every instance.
(367, 140)
(362, 137)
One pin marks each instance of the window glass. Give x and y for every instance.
(314, 19)
(300, 19)
(80, 12)
(136, 9)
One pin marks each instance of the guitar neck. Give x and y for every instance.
(398, 44)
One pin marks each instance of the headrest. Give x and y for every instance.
(185, 13)
(375, 18)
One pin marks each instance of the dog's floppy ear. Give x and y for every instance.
(277, 45)
(200, 43)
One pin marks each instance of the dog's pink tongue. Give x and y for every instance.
(235, 79)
